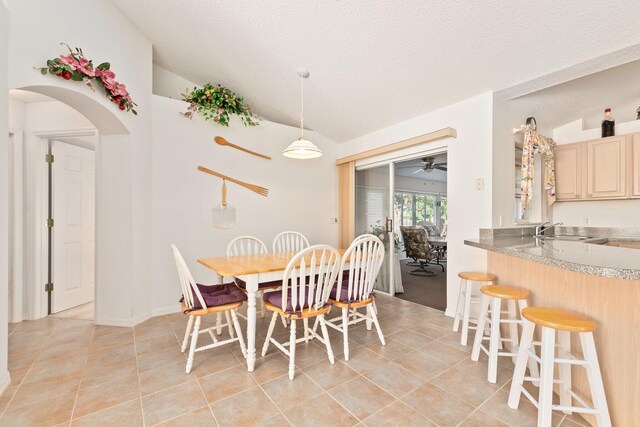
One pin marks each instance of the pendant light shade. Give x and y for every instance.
(302, 148)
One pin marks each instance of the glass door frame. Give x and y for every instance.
(390, 160)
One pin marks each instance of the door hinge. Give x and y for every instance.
(50, 222)
(48, 287)
(48, 158)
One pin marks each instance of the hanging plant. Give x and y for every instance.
(77, 67)
(217, 103)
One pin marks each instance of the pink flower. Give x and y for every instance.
(84, 66)
(119, 89)
(381, 236)
(68, 60)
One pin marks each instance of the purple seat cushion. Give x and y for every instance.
(275, 284)
(217, 295)
(275, 298)
(344, 291)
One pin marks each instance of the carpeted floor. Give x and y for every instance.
(429, 291)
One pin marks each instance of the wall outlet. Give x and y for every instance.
(586, 220)
(333, 220)
(479, 184)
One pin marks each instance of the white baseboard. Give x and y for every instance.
(449, 313)
(128, 323)
(166, 310)
(5, 381)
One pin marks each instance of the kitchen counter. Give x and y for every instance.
(579, 256)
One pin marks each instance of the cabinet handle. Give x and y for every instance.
(589, 195)
(577, 196)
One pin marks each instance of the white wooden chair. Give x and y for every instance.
(226, 298)
(249, 245)
(365, 256)
(308, 280)
(290, 241)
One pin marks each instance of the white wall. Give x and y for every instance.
(605, 213)
(302, 193)
(123, 183)
(4, 197)
(422, 185)
(469, 157)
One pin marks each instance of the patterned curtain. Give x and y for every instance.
(534, 143)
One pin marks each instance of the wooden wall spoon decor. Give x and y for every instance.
(255, 188)
(221, 141)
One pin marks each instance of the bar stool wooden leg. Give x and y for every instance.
(482, 320)
(521, 364)
(533, 365)
(564, 369)
(545, 395)
(513, 329)
(494, 340)
(595, 379)
(456, 321)
(465, 316)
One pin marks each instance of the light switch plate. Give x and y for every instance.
(479, 184)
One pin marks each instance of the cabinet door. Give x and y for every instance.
(635, 165)
(568, 172)
(606, 168)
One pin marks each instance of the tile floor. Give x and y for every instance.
(68, 372)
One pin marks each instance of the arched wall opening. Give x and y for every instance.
(113, 217)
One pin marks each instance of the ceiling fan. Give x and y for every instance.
(428, 165)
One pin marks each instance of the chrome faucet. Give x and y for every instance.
(540, 229)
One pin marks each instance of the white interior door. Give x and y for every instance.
(73, 198)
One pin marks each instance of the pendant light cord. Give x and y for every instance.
(302, 107)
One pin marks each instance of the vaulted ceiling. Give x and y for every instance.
(374, 63)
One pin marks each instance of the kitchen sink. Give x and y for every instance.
(630, 244)
(564, 237)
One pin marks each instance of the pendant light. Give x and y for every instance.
(302, 148)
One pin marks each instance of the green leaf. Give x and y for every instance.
(134, 112)
(76, 77)
(104, 66)
(43, 71)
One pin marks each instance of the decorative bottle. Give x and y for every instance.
(608, 124)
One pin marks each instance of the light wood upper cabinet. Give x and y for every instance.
(568, 172)
(635, 166)
(606, 168)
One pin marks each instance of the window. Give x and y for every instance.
(415, 209)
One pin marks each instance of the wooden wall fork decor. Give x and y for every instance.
(255, 188)
(221, 141)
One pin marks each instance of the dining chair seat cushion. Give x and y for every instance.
(275, 298)
(344, 289)
(217, 295)
(266, 285)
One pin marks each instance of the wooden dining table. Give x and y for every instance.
(253, 270)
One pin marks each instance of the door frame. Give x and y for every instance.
(391, 159)
(36, 232)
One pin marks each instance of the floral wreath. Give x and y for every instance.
(77, 67)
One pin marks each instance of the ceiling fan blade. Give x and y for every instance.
(400, 167)
(419, 170)
(439, 167)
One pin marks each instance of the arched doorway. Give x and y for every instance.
(34, 245)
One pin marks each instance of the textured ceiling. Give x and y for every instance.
(375, 63)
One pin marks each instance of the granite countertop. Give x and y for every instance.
(579, 256)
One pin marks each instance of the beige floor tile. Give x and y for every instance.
(29, 394)
(100, 331)
(164, 377)
(126, 414)
(397, 414)
(21, 360)
(393, 350)
(525, 415)
(162, 342)
(270, 367)
(100, 343)
(6, 396)
(453, 339)
(308, 354)
(480, 368)
(423, 364)
(286, 393)
(482, 419)
(161, 358)
(41, 414)
(117, 371)
(361, 397)
(439, 406)
(171, 403)
(112, 355)
(61, 368)
(154, 331)
(363, 360)
(411, 338)
(276, 421)
(443, 352)
(106, 395)
(215, 360)
(199, 418)
(395, 379)
(321, 411)
(431, 330)
(18, 374)
(234, 411)
(226, 383)
(469, 388)
(331, 376)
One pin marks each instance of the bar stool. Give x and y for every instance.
(564, 322)
(465, 300)
(492, 297)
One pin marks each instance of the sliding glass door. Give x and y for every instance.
(373, 214)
